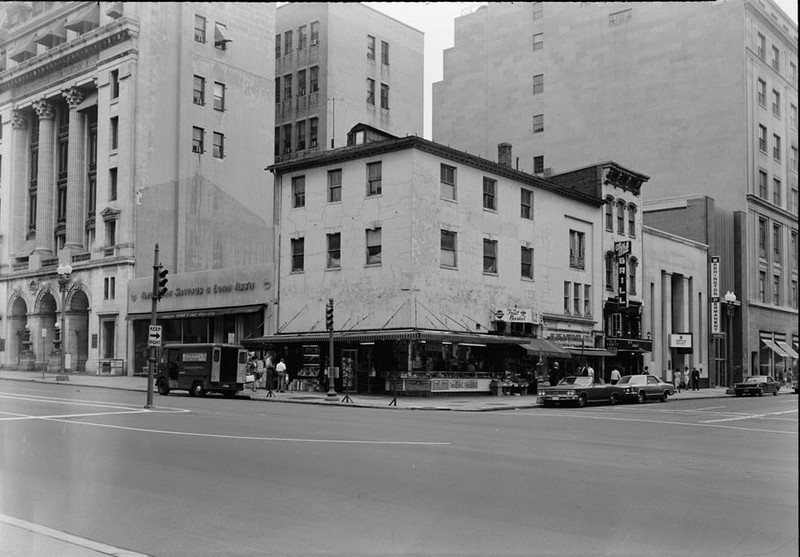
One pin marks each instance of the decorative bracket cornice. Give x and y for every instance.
(108, 214)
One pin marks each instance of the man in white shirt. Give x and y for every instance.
(590, 372)
(280, 369)
(615, 376)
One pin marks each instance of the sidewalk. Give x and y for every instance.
(477, 403)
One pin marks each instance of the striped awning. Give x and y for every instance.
(545, 348)
(85, 19)
(383, 334)
(775, 348)
(791, 353)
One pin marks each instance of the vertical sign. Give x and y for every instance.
(622, 249)
(716, 320)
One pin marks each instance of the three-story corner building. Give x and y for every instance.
(338, 64)
(443, 267)
(123, 126)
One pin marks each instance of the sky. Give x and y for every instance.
(435, 19)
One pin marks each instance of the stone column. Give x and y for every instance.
(46, 180)
(666, 320)
(20, 178)
(76, 171)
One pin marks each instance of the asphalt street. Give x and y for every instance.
(213, 476)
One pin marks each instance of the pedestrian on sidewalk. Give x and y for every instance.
(695, 379)
(283, 375)
(615, 376)
(677, 380)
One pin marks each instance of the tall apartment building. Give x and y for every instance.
(339, 64)
(702, 97)
(123, 126)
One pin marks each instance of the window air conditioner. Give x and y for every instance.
(197, 149)
(312, 143)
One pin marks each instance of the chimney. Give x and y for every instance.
(504, 154)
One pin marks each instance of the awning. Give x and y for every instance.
(775, 348)
(220, 36)
(787, 349)
(52, 35)
(383, 334)
(85, 19)
(545, 348)
(115, 10)
(197, 313)
(22, 53)
(592, 352)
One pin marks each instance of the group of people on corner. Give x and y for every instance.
(684, 379)
(265, 373)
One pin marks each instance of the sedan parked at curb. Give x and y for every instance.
(580, 390)
(641, 387)
(757, 385)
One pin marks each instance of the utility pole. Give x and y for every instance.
(151, 351)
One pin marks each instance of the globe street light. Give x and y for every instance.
(730, 301)
(64, 277)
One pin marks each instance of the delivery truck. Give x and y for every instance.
(202, 368)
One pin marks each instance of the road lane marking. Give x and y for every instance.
(91, 403)
(750, 416)
(19, 417)
(68, 538)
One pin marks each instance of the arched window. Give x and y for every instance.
(632, 220)
(610, 213)
(632, 264)
(610, 271)
(620, 217)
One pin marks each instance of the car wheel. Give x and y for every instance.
(581, 401)
(614, 398)
(197, 389)
(163, 386)
(665, 396)
(640, 397)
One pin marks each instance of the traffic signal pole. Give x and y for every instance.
(151, 351)
(331, 396)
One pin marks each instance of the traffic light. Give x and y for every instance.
(162, 281)
(329, 315)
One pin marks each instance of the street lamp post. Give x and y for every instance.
(64, 277)
(730, 301)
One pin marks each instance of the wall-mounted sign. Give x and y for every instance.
(622, 280)
(716, 318)
(715, 278)
(518, 315)
(681, 342)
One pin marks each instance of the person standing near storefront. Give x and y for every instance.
(280, 369)
(269, 364)
(589, 371)
(554, 374)
(695, 379)
(615, 376)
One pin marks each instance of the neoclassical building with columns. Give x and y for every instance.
(123, 126)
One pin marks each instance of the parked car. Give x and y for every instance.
(641, 387)
(757, 385)
(580, 390)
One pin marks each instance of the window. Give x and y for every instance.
(776, 290)
(302, 37)
(287, 42)
(277, 90)
(313, 130)
(114, 79)
(298, 191)
(537, 10)
(61, 202)
(620, 18)
(632, 221)
(793, 116)
(114, 133)
(370, 47)
(490, 256)
(762, 138)
(373, 246)
(373, 178)
(220, 35)
(776, 59)
(576, 249)
(526, 204)
(277, 137)
(538, 84)
(794, 294)
(218, 145)
(448, 182)
(587, 300)
(776, 103)
(776, 147)
(334, 185)
(538, 123)
(793, 73)
(793, 241)
(314, 33)
(111, 232)
(538, 164)
(762, 184)
(448, 249)
(334, 251)
(109, 288)
(777, 191)
(301, 83)
(610, 214)
(287, 138)
(793, 201)
(761, 92)
(199, 90)
(762, 285)
(384, 53)
(538, 41)
(761, 46)
(489, 194)
(776, 243)
(620, 217)
(277, 46)
(384, 96)
(370, 91)
(567, 294)
(298, 249)
(794, 158)
(526, 263)
(199, 29)
(92, 195)
(313, 79)
(112, 184)
(762, 238)
(610, 271)
(301, 135)
(287, 87)
(616, 325)
(576, 298)
(219, 96)
(632, 264)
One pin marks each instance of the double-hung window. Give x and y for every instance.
(370, 47)
(313, 79)
(526, 262)
(219, 96)
(577, 288)
(448, 182)
(373, 237)
(301, 83)
(762, 138)
(334, 185)
(776, 243)
(384, 96)
(199, 92)
(298, 251)
(538, 84)
(218, 145)
(620, 217)
(526, 204)
(448, 249)
(777, 191)
(299, 191)
(776, 59)
(334, 251)
(762, 184)
(538, 123)
(538, 41)
(302, 37)
(374, 178)
(384, 53)
(370, 91)
(199, 29)
(761, 92)
(632, 221)
(577, 249)
(287, 87)
(301, 135)
(287, 42)
(489, 194)
(776, 147)
(490, 256)
(776, 103)
(197, 140)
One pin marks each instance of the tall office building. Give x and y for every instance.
(702, 97)
(340, 64)
(123, 126)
